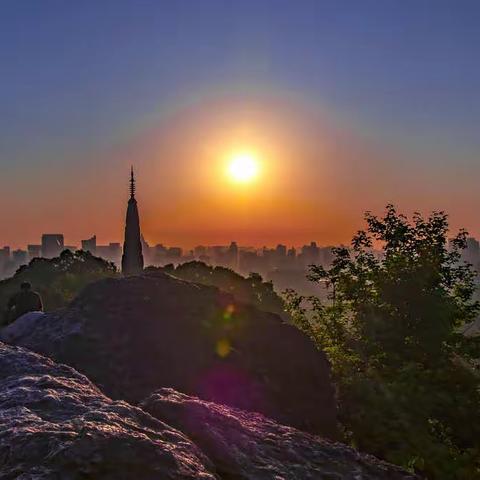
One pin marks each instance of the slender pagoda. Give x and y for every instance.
(132, 258)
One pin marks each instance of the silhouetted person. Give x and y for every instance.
(23, 302)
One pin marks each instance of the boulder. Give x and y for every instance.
(134, 335)
(56, 425)
(21, 326)
(248, 446)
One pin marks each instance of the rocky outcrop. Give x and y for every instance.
(55, 424)
(134, 335)
(246, 446)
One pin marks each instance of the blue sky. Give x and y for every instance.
(76, 76)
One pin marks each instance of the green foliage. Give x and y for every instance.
(407, 386)
(58, 280)
(252, 290)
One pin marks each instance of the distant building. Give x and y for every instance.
(159, 254)
(200, 251)
(471, 254)
(4, 260)
(90, 245)
(4, 254)
(310, 254)
(52, 244)
(248, 261)
(217, 253)
(34, 251)
(281, 251)
(132, 259)
(174, 252)
(19, 257)
(115, 252)
(269, 259)
(232, 255)
(473, 244)
(148, 252)
(111, 252)
(326, 256)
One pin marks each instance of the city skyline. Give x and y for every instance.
(346, 112)
(224, 240)
(190, 244)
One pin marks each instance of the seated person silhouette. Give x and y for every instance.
(23, 302)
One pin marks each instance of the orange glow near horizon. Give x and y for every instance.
(258, 171)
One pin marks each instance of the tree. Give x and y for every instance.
(407, 386)
(59, 279)
(253, 289)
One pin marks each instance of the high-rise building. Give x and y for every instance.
(232, 255)
(248, 261)
(175, 252)
(132, 259)
(5, 254)
(199, 251)
(4, 259)
(471, 254)
(52, 244)
(310, 253)
(148, 252)
(90, 245)
(280, 256)
(19, 257)
(34, 251)
(111, 252)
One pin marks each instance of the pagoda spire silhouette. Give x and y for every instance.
(132, 258)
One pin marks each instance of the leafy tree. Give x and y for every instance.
(253, 289)
(407, 386)
(58, 280)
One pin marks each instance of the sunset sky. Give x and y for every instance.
(346, 106)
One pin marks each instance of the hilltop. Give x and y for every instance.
(137, 334)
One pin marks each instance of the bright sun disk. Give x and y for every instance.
(243, 167)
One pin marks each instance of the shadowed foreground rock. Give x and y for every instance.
(134, 335)
(246, 446)
(55, 424)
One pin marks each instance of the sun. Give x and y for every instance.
(243, 167)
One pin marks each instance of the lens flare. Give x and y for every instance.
(223, 347)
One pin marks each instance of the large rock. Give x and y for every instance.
(55, 424)
(134, 335)
(247, 446)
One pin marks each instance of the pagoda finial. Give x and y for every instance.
(132, 183)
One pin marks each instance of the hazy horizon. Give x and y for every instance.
(346, 106)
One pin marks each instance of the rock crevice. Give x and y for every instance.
(55, 424)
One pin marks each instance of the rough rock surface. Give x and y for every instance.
(246, 446)
(55, 424)
(134, 335)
